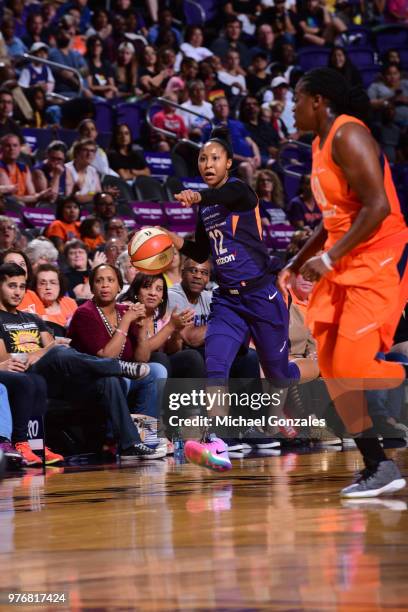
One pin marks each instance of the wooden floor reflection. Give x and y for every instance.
(270, 535)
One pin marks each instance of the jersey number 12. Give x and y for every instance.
(218, 238)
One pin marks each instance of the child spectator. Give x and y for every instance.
(91, 233)
(170, 120)
(66, 225)
(36, 73)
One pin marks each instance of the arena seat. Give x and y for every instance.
(369, 74)
(131, 114)
(148, 213)
(312, 57)
(173, 185)
(148, 188)
(360, 56)
(391, 37)
(104, 116)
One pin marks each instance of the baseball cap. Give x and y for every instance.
(37, 46)
(278, 81)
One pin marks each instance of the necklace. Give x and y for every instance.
(111, 330)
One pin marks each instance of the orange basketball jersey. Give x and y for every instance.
(340, 205)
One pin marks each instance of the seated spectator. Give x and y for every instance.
(191, 294)
(257, 77)
(262, 133)
(302, 343)
(100, 79)
(100, 25)
(302, 210)
(167, 59)
(127, 162)
(105, 207)
(317, 25)
(8, 125)
(286, 55)
(78, 269)
(35, 32)
(269, 189)
(38, 102)
(164, 334)
(151, 76)
(277, 122)
(56, 308)
(192, 47)
(392, 90)
(31, 301)
(231, 39)
(36, 73)
(246, 11)
(281, 21)
(27, 395)
(82, 180)
(172, 275)
(281, 92)
(69, 375)
(112, 249)
(125, 71)
(339, 61)
(66, 224)
(170, 120)
(91, 233)
(8, 233)
(246, 153)
(66, 82)
(116, 228)
(233, 75)
(15, 176)
(265, 43)
(165, 22)
(189, 69)
(88, 131)
(388, 133)
(51, 173)
(14, 44)
(41, 250)
(104, 328)
(127, 270)
(392, 56)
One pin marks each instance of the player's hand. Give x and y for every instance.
(283, 282)
(178, 241)
(313, 269)
(188, 197)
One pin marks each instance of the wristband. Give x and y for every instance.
(327, 261)
(120, 331)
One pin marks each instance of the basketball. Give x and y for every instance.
(151, 251)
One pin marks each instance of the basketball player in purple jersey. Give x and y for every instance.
(247, 303)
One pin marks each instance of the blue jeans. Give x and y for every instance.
(6, 424)
(144, 395)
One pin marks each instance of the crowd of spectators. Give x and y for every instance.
(238, 70)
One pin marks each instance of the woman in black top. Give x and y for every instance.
(127, 163)
(339, 61)
(100, 78)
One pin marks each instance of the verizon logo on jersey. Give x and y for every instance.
(224, 260)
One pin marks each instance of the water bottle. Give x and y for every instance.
(178, 447)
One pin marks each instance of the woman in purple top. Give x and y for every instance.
(302, 210)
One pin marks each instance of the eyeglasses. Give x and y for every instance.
(194, 270)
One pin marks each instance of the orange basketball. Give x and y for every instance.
(151, 250)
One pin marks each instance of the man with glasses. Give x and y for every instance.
(116, 228)
(50, 173)
(8, 233)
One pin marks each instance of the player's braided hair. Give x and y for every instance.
(343, 98)
(222, 135)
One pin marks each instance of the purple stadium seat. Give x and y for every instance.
(361, 56)
(364, 36)
(130, 113)
(291, 186)
(67, 136)
(369, 74)
(180, 217)
(403, 53)
(211, 8)
(38, 217)
(39, 138)
(392, 37)
(313, 57)
(148, 213)
(160, 164)
(194, 13)
(104, 116)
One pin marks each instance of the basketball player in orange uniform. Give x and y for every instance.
(359, 297)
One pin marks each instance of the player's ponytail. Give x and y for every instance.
(343, 98)
(221, 135)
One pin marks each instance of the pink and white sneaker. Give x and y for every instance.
(212, 454)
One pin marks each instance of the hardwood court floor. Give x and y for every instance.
(270, 535)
